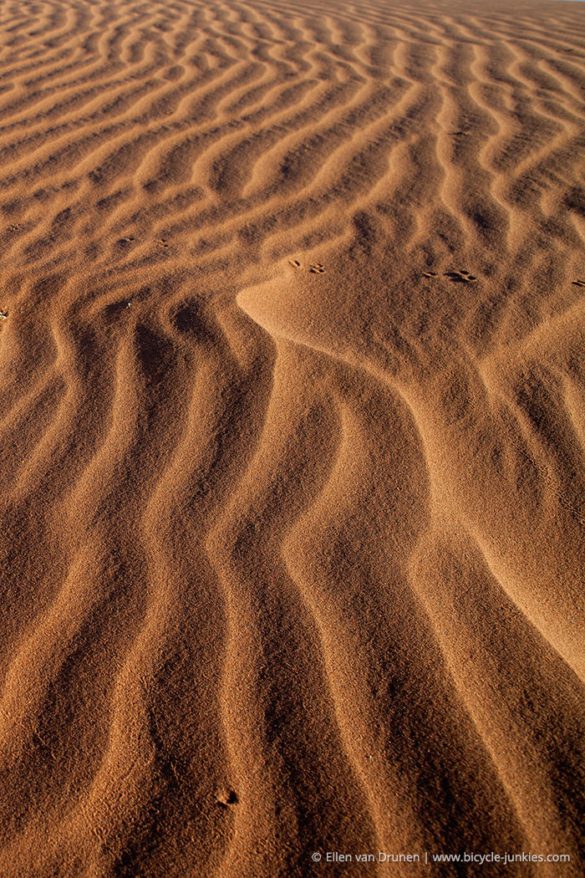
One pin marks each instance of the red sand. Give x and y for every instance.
(292, 433)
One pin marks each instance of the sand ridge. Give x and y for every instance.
(292, 434)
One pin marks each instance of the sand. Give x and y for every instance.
(292, 432)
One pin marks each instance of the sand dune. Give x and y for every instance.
(292, 433)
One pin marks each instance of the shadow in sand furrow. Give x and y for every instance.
(291, 431)
(271, 640)
(531, 719)
(445, 433)
(381, 683)
(467, 132)
(12, 71)
(62, 453)
(149, 807)
(177, 166)
(569, 73)
(528, 577)
(58, 691)
(28, 346)
(25, 429)
(362, 168)
(78, 68)
(294, 166)
(231, 171)
(61, 158)
(438, 444)
(197, 808)
(100, 544)
(125, 99)
(430, 827)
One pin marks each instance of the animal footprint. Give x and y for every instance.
(579, 283)
(317, 268)
(461, 277)
(295, 263)
(430, 274)
(226, 798)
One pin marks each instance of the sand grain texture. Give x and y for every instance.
(292, 434)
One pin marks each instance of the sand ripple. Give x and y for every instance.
(292, 435)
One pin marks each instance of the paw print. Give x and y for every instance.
(460, 277)
(317, 268)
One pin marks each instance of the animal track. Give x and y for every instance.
(315, 268)
(460, 277)
(226, 798)
(430, 274)
(579, 283)
(124, 242)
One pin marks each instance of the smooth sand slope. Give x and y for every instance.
(292, 430)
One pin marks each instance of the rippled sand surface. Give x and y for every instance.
(292, 436)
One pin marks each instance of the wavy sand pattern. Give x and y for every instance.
(292, 432)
